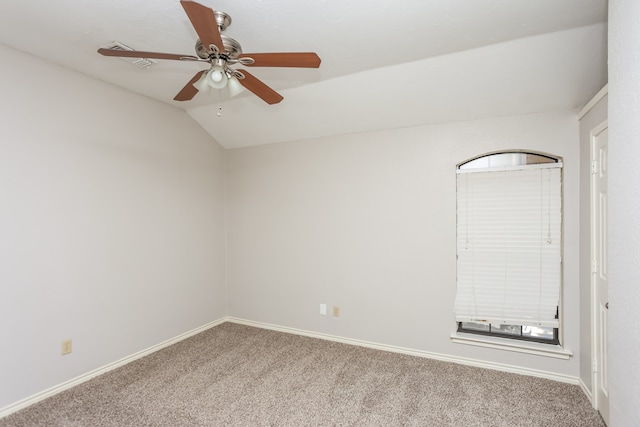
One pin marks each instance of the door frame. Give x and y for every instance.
(593, 134)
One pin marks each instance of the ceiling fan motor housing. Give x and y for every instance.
(232, 48)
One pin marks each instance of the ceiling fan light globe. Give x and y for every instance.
(217, 78)
(235, 87)
(202, 84)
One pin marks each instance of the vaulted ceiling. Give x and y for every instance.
(384, 64)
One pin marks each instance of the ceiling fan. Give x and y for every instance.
(221, 52)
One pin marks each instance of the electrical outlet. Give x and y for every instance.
(323, 309)
(66, 347)
(336, 311)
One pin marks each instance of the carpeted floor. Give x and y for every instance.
(234, 375)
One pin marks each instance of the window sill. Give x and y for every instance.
(539, 349)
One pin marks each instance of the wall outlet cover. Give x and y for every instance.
(67, 347)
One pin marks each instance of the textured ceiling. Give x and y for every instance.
(384, 64)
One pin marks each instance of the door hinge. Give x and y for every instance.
(594, 266)
(594, 166)
(595, 365)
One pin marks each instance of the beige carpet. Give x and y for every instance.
(234, 375)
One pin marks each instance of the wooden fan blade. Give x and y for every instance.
(284, 59)
(260, 89)
(141, 54)
(204, 22)
(189, 90)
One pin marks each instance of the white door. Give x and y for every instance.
(599, 269)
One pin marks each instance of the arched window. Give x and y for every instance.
(509, 242)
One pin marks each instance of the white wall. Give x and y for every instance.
(367, 222)
(111, 224)
(591, 119)
(624, 211)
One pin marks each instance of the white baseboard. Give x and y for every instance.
(99, 371)
(587, 392)
(437, 356)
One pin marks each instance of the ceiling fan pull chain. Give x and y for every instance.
(219, 113)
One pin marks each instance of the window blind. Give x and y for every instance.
(509, 245)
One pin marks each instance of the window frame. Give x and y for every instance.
(553, 341)
(519, 158)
